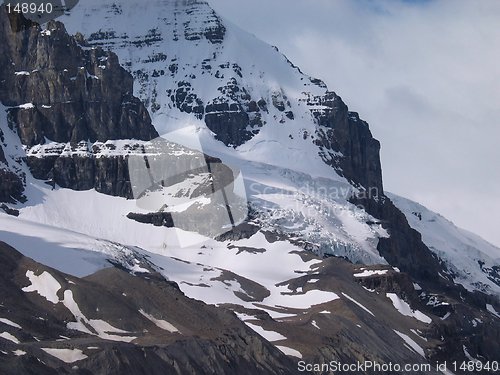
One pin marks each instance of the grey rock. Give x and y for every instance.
(344, 132)
(76, 95)
(11, 186)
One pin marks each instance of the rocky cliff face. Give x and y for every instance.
(61, 92)
(56, 91)
(347, 144)
(11, 186)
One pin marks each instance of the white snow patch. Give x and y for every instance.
(406, 310)
(163, 324)
(26, 106)
(19, 352)
(476, 321)
(136, 268)
(467, 354)
(102, 329)
(416, 333)
(289, 351)
(417, 348)
(45, 285)
(10, 323)
(66, 355)
(367, 273)
(315, 324)
(446, 316)
(10, 337)
(268, 335)
(357, 303)
(243, 317)
(492, 310)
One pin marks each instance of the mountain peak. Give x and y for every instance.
(194, 67)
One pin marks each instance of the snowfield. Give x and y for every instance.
(470, 258)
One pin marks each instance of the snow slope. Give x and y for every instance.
(472, 261)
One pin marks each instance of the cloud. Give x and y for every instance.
(424, 74)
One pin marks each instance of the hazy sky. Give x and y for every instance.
(424, 74)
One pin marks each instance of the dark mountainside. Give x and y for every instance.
(71, 106)
(208, 340)
(72, 102)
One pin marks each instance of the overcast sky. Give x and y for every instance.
(425, 75)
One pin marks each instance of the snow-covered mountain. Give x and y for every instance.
(88, 183)
(201, 79)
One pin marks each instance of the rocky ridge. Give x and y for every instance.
(144, 315)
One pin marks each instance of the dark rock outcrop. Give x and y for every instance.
(344, 132)
(107, 175)
(11, 186)
(404, 248)
(57, 91)
(74, 94)
(11, 183)
(8, 210)
(460, 324)
(212, 29)
(233, 116)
